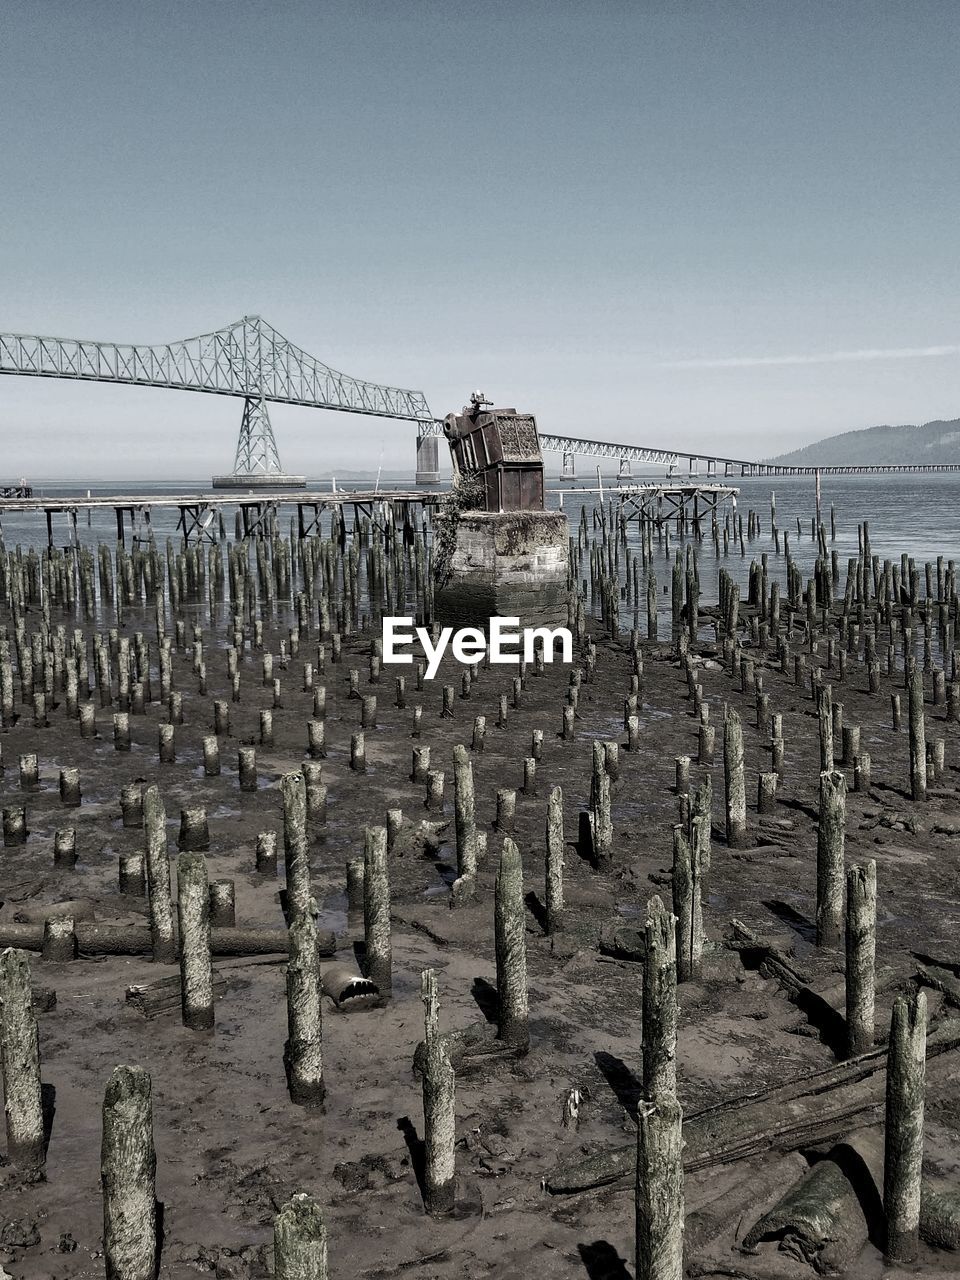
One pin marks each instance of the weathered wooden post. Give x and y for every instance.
(659, 1190)
(903, 1133)
(511, 949)
(193, 918)
(128, 1166)
(861, 941)
(659, 1007)
(20, 1061)
(464, 810)
(293, 788)
(918, 746)
(376, 908)
(247, 768)
(687, 906)
(300, 1241)
(439, 1107)
(303, 1054)
(831, 832)
(735, 790)
(825, 722)
(554, 861)
(158, 878)
(194, 830)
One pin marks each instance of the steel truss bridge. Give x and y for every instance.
(677, 462)
(248, 359)
(253, 362)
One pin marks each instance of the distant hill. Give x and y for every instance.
(933, 442)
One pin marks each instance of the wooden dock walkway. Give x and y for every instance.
(198, 511)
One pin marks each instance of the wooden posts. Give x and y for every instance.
(433, 799)
(303, 1054)
(439, 1107)
(158, 878)
(300, 1241)
(247, 768)
(194, 831)
(128, 1166)
(293, 788)
(14, 826)
(506, 809)
(464, 811)
(554, 861)
(659, 1190)
(903, 1134)
(511, 949)
(735, 791)
(825, 721)
(20, 1061)
(830, 853)
(600, 814)
(70, 788)
(376, 909)
(659, 1009)
(193, 917)
(861, 942)
(767, 792)
(687, 906)
(266, 853)
(421, 764)
(918, 747)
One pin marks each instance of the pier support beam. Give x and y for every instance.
(428, 460)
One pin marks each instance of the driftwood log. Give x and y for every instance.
(134, 939)
(821, 1220)
(471, 1048)
(163, 994)
(814, 1108)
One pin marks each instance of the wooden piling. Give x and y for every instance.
(554, 861)
(659, 1007)
(303, 1053)
(158, 879)
(831, 832)
(20, 1062)
(376, 909)
(128, 1165)
(659, 1190)
(861, 945)
(511, 949)
(193, 918)
(439, 1107)
(300, 1241)
(903, 1130)
(735, 792)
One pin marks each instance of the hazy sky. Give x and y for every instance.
(724, 224)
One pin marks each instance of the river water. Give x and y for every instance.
(916, 514)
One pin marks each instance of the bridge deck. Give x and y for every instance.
(271, 497)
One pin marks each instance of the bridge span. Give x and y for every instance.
(678, 462)
(250, 360)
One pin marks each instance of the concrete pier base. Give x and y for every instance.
(511, 563)
(428, 460)
(258, 480)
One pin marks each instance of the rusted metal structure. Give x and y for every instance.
(503, 447)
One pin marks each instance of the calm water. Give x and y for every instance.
(919, 515)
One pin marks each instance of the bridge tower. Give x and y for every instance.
(428, 458)
(256, 464)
